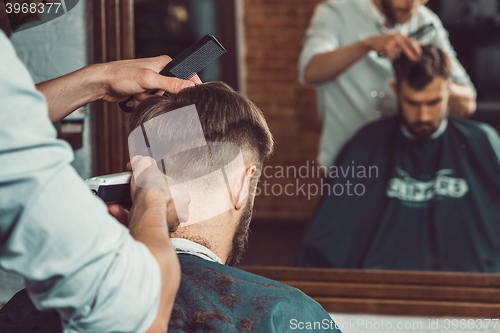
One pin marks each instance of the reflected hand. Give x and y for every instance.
(392, 45)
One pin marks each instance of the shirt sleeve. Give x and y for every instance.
(322, 35)
(441, 40)
(74, 256)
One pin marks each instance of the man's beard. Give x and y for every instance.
(240, 239)
(413, 128)
(389, 12)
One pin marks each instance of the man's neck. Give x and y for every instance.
(439, 131)
(185, 246)
(378, 4)
(216, 234)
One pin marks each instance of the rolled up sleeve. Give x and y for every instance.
(321, 36)
(74, 256)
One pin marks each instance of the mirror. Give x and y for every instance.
(264, 68)
(282, 219)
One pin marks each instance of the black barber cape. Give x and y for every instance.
(211, 298)
(435, 204)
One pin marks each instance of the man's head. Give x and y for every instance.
(423, 90)
(226, 117)
(400, 11)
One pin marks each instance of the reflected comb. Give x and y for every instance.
(188, 63)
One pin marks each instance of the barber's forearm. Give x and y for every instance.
(328, 66)
(157, 240)
(148, 225)
(462, 100)
(67, 93)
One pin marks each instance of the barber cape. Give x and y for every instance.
(211, 298)
(225, 299)
(427, 205)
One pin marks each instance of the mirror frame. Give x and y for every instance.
(393, 292)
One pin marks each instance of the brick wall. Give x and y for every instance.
(274, 30)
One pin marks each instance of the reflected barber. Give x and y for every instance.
(347, 54)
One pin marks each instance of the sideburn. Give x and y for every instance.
(240, 239)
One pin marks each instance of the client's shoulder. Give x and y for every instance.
(226, 299)
(222, 278)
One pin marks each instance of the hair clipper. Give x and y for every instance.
(114, 188)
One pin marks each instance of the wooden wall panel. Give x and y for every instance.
(111, 39)
(393, 292)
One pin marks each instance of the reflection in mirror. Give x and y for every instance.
(418, 190)
(170, 27)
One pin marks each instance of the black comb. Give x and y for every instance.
(189, 62)
(422, 31)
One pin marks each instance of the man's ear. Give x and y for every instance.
(242, 186)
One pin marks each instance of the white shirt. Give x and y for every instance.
(184, 246)
(361, 94)
(74, 256)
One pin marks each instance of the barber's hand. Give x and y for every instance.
(391, 45)
(118, 212)
(140, 77)
(462, 102)
(148, 182)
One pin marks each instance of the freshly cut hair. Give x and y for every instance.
(418, 74)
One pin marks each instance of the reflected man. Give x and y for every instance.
(435, 200)
(347, 55)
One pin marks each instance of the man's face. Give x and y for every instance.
(400, 11)
(423, 110)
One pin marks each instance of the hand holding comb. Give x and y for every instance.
(418, 34)
(188, 63)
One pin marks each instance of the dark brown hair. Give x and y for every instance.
(225, 116)
(417, 74)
